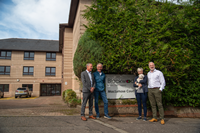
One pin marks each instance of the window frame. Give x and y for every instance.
(50, 73)
(4, 72)
(4, 87)
(29, 57)
(50, 59)
(28, 73)
(26, 85)
(6, 57)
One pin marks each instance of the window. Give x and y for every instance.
(28, 71)
(5, 54)
(21, 88)
(30, 86)
(4, 87)
(4, 70)
(28, 55)
(51, 56)
(50, 71)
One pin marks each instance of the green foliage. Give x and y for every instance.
(70, 95)
(67, 91)
(63, 94)
(88, 51)
(75, 101)
(129, 102)
(132, 33)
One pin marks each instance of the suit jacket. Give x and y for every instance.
(86, 81)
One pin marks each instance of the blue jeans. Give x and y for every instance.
(105, 101)
(143, 97)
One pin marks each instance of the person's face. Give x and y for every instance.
(89, 67)
(151, 66)
(99, 68)
(140, 72)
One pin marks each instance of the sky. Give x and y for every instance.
(32, 19)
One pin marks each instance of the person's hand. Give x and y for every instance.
(135, 83)
(140, 85)
(92, 89)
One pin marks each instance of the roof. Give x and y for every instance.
(19, 44)
(70, 24)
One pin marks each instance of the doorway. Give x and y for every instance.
(50, 90)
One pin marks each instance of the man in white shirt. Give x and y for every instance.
(156, 83)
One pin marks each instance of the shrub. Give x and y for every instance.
(133, 33)
(63, 94)
(88, 51)
(70, 95)
(67, 91)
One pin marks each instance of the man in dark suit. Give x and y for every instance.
(88, 88)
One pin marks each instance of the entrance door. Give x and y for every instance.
(50, 90)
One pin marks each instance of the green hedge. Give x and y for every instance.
(88, 51)
(132, 33)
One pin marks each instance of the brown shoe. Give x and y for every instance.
(153, 120)
(162, 122)
(92, 117)
(83, 118)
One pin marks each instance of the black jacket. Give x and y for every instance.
(143, 82)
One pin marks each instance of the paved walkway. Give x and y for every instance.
(73, 124)
(51, 114)
(42, 106)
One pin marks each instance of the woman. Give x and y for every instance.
(141, 94)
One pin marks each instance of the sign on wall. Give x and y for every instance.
(120, 86)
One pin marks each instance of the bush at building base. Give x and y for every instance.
(70, 98)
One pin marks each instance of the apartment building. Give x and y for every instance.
(32, 63)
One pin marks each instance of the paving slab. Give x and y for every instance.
(41, 106)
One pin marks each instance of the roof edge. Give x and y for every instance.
(70, 24)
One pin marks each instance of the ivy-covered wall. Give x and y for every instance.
(132, 33)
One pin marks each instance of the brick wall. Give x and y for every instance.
(39, 63)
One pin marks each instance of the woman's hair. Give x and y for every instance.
(139, 69)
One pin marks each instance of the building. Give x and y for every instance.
(36, 64)
(45, 66)
(69, 35)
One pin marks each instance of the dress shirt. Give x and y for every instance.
(90, 76)
(156, 79)
(100, 73)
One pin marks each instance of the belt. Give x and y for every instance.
(154, 88)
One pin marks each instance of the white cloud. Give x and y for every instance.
(38, 19)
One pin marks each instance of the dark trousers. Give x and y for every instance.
(87, 96)
(155, 96)
(143, 97)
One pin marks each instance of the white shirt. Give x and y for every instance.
(156, 79)
(90, 76)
